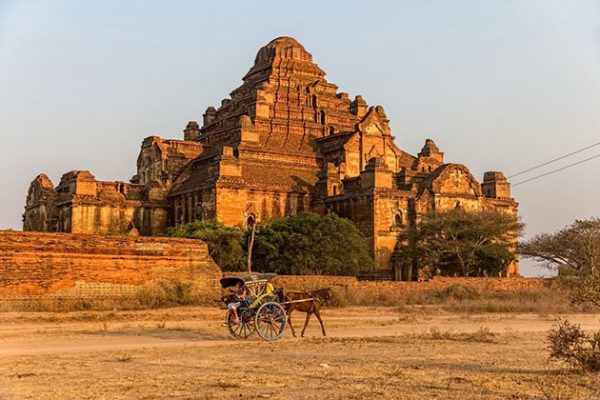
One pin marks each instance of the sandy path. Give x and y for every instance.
(98, 346)
(59, 337)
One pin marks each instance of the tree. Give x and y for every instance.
(306, 244)
(576, 247)
(457, 242)
(587, 290)
(251, 236)
(311, 244)
(225, 244)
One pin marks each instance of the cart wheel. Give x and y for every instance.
(270, 321)
(243, 328)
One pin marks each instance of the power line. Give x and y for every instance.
(554, 160)
(556, 170)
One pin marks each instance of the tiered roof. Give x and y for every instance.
(288, 100)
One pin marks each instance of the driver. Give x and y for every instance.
(243, 293)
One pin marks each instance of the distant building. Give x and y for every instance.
(286, 141)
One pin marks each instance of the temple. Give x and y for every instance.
(285, 141)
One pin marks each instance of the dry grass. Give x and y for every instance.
(124, 358)
(491, 356)
(482, 335)
(461, 298)
(153, 295)
(455, 298)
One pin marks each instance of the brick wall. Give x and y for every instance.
(36, 263)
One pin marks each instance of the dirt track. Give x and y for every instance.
(369, 353)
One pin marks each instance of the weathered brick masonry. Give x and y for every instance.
(285, 141)
(33, 263)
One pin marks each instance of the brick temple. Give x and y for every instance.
(285, 141)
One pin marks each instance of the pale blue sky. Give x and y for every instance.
(499, 85)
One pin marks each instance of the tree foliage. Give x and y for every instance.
(305, 244)
(461, 243)
(587, 290)
(576, 247)
(225, 244)
(311, 244)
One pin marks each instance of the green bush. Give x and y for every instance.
(225, 244)
(305, 244)
(311, 244)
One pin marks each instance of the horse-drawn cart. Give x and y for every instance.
(262, 313)
(266, 310)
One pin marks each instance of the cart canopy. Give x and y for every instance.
(242, 280)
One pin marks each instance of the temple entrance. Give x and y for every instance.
(250, 222)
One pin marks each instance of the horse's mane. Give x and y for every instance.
(322, 294)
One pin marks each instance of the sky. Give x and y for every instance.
(499, 85)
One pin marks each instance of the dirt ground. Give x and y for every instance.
(369, 353)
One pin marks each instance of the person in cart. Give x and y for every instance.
(253, 306)
(243, 293)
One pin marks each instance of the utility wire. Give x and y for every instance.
(556, 170)
(556, 159)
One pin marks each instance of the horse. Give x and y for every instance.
(311, 304)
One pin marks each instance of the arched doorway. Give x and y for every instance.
(251, 221)
(398, 220)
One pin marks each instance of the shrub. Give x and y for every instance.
(166, 293)
(482, 335)
(460, 292)
(225, 244)
(570, 344)
(311, 244)
(305, 244)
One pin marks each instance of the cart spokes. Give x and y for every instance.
(241, 329)
(270, 321)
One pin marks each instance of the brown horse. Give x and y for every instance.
(308, 302)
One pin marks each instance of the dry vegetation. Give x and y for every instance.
(463, 298)
(454, 298)
(411, 352)
(455, 342)
(154, 294)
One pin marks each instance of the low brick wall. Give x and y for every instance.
(310, 282)
(35, 263)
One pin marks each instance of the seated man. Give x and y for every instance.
(243, 294)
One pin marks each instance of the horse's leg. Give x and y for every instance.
(288, 309)
(318, 315)
(289, 318)
(308, 315)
